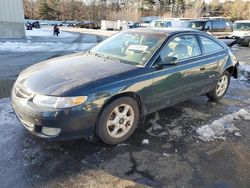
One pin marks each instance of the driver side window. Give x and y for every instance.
(182, 47)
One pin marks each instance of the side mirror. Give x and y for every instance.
(168, 60)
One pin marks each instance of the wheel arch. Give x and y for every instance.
(133, 95)
(232, 71)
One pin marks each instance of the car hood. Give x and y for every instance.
(57, 76)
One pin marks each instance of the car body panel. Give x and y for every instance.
(74, 122)
(102, 79)
(61, 75)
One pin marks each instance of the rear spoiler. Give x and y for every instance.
(228, 41)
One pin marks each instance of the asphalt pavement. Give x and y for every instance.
(17, 57)
(177, 158)
(164, 151)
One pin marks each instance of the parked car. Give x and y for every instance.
(217, 27)
(241, 31)
(88, 25)
(166, 23)
(109, 89)
(30, 26)
(55, 24)
(132, 25)
(72, 25)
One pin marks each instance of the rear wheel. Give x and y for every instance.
(221, 87)
(118, 120)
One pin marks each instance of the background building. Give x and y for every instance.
(11, 19)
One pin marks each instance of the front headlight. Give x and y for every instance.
(58, 102)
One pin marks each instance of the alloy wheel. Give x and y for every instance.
(222, 86)
(120, 121)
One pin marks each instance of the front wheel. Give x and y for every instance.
(118, 120)
(221, 87)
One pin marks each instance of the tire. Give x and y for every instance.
(248, 43)
(118, 120)
(221, 87)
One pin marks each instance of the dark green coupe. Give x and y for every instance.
(109, 89)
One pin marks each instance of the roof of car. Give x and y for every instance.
(166, 31)
(168, 20)
(242, 21)
(205, 20)
(197, 20)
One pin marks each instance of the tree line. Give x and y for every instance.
(97, 10)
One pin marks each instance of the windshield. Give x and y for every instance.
(130, 47)
(242, 26)
(194, 25)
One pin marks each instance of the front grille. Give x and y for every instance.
(22, 92)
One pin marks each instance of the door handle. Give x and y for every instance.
(202, 68)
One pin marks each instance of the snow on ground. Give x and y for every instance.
(218, 128)
(244, 71)
(42, 40)
(44, 46)
(47, 32)
(7, 115)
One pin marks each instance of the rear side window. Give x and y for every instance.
(210, 46)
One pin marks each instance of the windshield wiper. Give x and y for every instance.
(111, 58)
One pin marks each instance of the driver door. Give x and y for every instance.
(174, 83)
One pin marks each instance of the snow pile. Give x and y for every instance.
(218, 128)
(7, 115)
(46, 32)
(243, 113)
(145, 141)
(244, 71)
(44, 46)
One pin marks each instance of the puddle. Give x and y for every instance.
(5, 87)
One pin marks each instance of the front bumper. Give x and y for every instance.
(73, 122)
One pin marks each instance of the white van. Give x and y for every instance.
(241, 31)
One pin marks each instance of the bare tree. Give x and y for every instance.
(133, 10)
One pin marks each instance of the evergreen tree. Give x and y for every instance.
(46, 9)
(54, 4)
